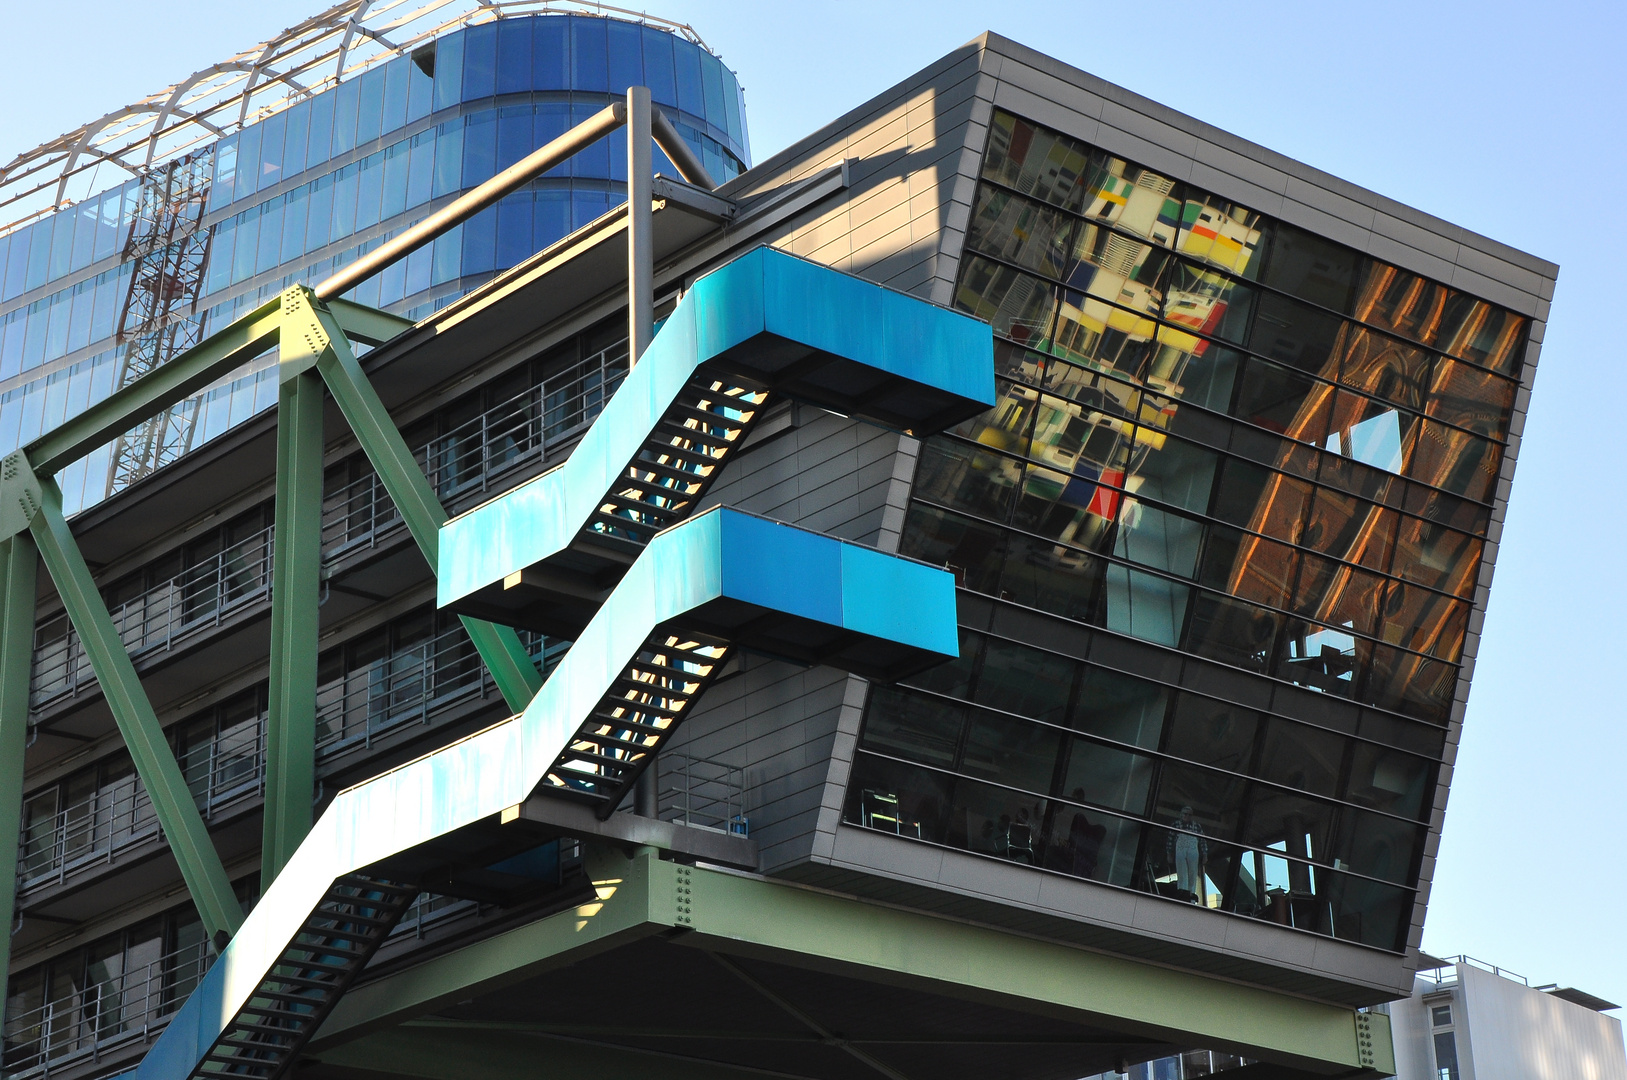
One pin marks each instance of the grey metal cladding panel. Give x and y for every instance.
(1032, 78)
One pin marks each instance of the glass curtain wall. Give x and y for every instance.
(299, 194)
(1227, 436)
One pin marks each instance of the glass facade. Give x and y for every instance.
(297, 195)
(1220, 434)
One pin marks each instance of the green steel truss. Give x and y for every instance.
(316, 354)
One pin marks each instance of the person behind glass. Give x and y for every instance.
(1189, 851)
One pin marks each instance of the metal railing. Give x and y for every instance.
(1447, 972)
(702, 792)
(485, 452)
(219, 772)
(199, 596)
(96, 1016)
(476, 456)
(412, 685)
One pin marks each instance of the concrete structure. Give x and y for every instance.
(1469, 1021)
(1222, 547)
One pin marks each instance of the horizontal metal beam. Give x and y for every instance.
(687, 161)
(186, 374)
(536, 163)
(367, 324)
(741, 914)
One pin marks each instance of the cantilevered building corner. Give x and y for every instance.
(990, 590)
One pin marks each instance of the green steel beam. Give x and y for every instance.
(155, 763)
(295, 593)
(183, 376)
(741, 914)
(517, 677)
(18, 565)
(365, 324)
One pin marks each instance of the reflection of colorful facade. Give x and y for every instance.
(1223, 434)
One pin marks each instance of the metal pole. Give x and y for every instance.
(688, 162)
(535, 164)
(295, 591)
(640, 226)
(640, 298)
(18, 566)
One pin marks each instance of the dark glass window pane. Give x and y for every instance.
(590, 68)
(1070, 506)
(1025, 232)
(396, 159)
(1446, 1056)
(712, 88)
(993, 821)
(369, 191)
(954, 677)
(1300, 828)
(1037, 162)
(1425, 621)
(1389, 780)
(896, 798)
(1121, 707)
(479, 147)
(1025, 681)
(420, 85)
(967, 478)
(1454, 460)
(1321, 657)
(1103, 776)
(1249, 567)
(1302, 757)
(1052, 577)
(691, 94)
(1209, 303)
(1145, 606)
(1018, 305)
(1378, 846)
(319, 216)
(1368, 911)
(1470, 398)
(480, 61)
(514, 134)
(1384, 366)
(1312, 268)
(1339, 595)
(970, 549)
(1178, 473)
(1351, 529)
(1283, 400)
(1299, 336)
(1202, 374)
(1441, 558)
(913, 726)
(514, 242)
(1212, 732)
(1089, 844)
(1216, 799)
(1232, 631)
(513, 56)
(1159, 539)
(1412, 685)
(1011, 752)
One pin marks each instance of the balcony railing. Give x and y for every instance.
(492, 449)
(200, 596)
(702, 792)
(98, 1016)
(482, 454)
(413, 685)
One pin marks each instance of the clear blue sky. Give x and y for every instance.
(1504, 118)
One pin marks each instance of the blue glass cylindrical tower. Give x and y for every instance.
(312, 187)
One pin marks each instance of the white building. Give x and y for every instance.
(1470, 1021)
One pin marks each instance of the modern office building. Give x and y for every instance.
(1210, 448)
(332, 150)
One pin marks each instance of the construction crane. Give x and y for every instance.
(169, 250)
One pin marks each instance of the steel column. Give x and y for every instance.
(18, 566)
(517, 677)
(640, 225)
(295, 582)
(155, 762)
